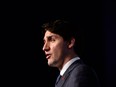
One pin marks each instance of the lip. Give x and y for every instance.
(48, 56)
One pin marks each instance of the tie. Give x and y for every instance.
(58, 78)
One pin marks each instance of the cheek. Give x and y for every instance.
(56, 49)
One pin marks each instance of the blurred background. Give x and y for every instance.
(22, 40)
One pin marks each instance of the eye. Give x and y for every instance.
(52, 40)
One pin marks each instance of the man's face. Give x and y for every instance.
(55, 49)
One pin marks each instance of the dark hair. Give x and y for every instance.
(65, 29)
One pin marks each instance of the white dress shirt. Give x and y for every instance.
(66, 66)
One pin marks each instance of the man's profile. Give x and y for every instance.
(60, 38)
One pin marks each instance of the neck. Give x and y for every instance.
(68, 58)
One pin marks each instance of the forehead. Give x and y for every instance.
(49, 34)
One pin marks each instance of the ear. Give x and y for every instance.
(72, 42)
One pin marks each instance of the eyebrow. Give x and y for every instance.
(50, 36)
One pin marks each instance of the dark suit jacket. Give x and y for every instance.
(78, 75)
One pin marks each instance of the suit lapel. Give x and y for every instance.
(66, 74)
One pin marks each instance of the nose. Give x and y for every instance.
(46, 47)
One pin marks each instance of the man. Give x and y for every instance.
(59, 46)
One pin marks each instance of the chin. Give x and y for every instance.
(51, 64)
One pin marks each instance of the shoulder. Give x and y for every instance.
(82, 70)
(81, 75)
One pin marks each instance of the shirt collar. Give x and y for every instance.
(65, 67)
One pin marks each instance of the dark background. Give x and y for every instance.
(24, 61)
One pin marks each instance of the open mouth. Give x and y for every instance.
(48, 56)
